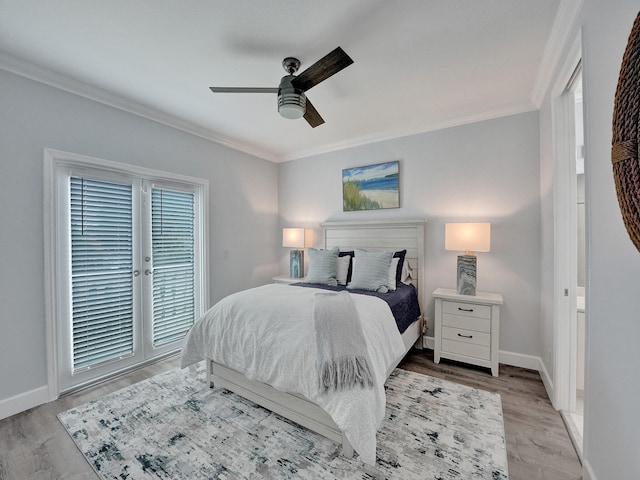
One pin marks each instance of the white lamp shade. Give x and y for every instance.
(467, 237)
(293, 237)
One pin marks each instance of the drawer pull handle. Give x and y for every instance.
(465, 336)
(465, 309)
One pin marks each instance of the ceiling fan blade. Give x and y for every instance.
(312, 116)
(328, 65)
(244, 89)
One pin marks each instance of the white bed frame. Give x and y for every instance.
(370, 235)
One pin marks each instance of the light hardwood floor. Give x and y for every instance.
(35, 446)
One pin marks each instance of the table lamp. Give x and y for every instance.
(294, 237)
(469, 238)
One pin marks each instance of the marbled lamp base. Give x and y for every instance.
(296, 264)
(467, 274)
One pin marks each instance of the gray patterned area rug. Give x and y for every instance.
(173, 426)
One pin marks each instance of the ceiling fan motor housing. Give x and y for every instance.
(292, 102)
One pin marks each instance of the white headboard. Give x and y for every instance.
(383, 235)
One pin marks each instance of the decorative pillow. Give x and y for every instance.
(406, 276)
(399, 254)
(343, 267)
(391, 279)
(349, 254)
(371, 271)
(323, 266)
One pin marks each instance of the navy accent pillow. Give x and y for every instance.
(400, 254)
(351, 254)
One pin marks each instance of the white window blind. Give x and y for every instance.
(172, 237)
(101, 266)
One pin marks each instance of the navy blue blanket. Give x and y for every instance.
(403, 301)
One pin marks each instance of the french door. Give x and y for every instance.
(129, 268)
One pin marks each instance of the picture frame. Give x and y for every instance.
(371, 187)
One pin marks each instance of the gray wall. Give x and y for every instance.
(243, 205)
(486, 171)
(612, 383)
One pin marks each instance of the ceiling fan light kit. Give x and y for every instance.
(292, 105)
(292, 101)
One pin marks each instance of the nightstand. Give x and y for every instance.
(286, 279)
(467, 327)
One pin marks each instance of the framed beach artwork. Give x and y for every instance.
(371, 187)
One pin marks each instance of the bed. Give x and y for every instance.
(302, 404)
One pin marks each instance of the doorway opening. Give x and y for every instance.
(576, 403)
(570, 256)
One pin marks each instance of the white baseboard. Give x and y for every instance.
(508, 358)
(587, 471)
(23, 401)
(427, 342)
(547, 382)
(521, 360)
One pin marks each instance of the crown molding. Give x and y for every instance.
(48, 77)
(406, 132)
(561, 32)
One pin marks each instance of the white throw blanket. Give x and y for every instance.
(342, 361)
(267, 334)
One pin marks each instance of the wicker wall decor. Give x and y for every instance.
(626, 136)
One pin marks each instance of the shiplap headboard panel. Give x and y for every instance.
(382, 235)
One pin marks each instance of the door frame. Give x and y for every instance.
(565, 234)
(52, 160)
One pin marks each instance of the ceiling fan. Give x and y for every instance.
(292, 101)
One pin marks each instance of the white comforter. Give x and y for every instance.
(267, 334)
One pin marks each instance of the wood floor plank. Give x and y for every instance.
(35, 446)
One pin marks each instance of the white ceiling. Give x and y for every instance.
(419, 64)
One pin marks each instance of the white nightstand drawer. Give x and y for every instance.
(466, 336)
(471, 350)
(467, 323)
(466, 309)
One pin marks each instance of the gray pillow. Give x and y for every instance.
(323, 266)
(371, 271)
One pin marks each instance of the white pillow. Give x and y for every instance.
(405, 276)
(322, 266)
(370, 271)
(393, 269)
(343, 269)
